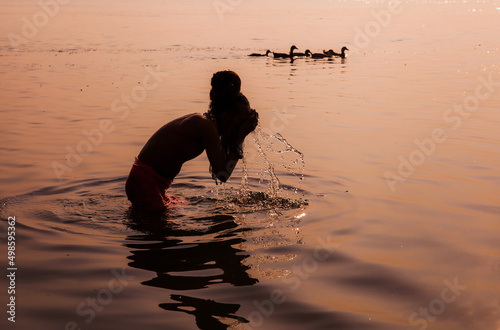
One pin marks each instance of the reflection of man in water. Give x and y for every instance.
(186, 257)
(169, 252)
(204, 311)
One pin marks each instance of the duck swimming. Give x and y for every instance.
(315, 55)
(284, 55)
(300, 54)
(257, 54)
(331, 53)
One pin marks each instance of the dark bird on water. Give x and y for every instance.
(284, 55)
(331, 53)
(257, 54)
(300, 54)
(315, 55)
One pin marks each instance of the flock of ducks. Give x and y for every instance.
(308, 53)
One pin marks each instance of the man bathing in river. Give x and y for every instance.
(220, 132)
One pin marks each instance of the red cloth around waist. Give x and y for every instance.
(145, 188)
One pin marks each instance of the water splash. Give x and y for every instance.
(274, 182)
(268, 154)
(243, 191)
(300, 163)
(264, 148)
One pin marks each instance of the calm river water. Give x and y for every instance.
(369, 197)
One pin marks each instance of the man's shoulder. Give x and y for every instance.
(193, 118)
(200, 121)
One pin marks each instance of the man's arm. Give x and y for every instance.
(222, 164)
